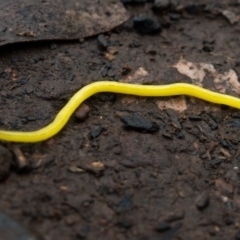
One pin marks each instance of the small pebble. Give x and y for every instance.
(31, 118)
(82, 112)
(231, 175)
(194, 117)
(96, 132)
(124, 224)
(4, 29)
(139, 124)
(208, 48)
(146, 25)
(102, 41)
(202, 201)
(106, 68)
(176, 215)
(224, 187)
(134, 44)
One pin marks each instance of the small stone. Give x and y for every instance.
(231, 175)
(96, 132)
(163, 226)
(173, 216)
(4, 29)
(139, 124)
(102, 41)
(214, 163)
(146, 25)
(106, 68)
(97, 166)
(134, 44)
(82, 112)
(224, 187)
(194, 117)
(21, 161)
(110, 57)
(167, 135)
(31, 118)
(6, 159)
(202, 201)
(208, 48)
(112, 50)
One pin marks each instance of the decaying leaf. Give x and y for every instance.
(33, 20)
(198, 71)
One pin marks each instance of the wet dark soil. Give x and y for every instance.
(107, 174)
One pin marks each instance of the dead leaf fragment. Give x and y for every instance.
(230, 16)
(178, 104)
(23, 20)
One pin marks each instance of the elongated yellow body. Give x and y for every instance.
(107, 86)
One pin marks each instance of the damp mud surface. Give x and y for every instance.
(126, 167)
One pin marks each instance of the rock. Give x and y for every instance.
(146, 25)
(208, 48)
(97, 166)
(6, 159)
(82, 112)
(176, 215)
(12, 230)
(224, 187)
(231, 175)
(96, 132)
(134, 44)
(202, 201)
(106, 68)
(194, 117)
(102, 41)
(139, 124)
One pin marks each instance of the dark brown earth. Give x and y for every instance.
(97, 179)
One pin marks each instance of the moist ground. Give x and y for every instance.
(97, 178)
